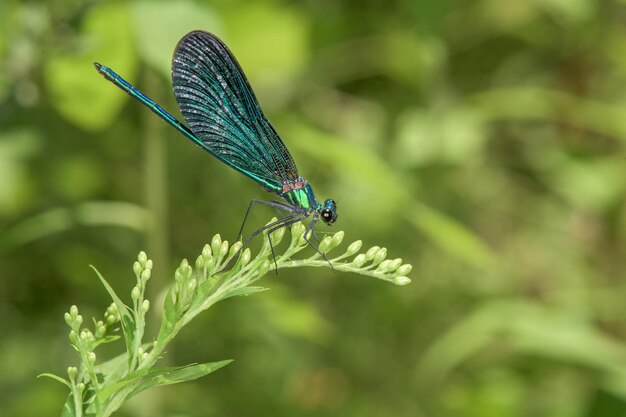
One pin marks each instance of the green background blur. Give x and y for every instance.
(482, 141)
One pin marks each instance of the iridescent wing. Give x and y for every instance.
(221, 110)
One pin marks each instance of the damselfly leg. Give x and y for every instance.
(276, 204)
(296, 217)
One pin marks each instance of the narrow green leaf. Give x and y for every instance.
(56, 378)
(245, 291)
(168, 322)
(114, 370)
(68, 407)
(178, 374)
(159, 376)
(111, 389)
(116, 367)
(128, 322)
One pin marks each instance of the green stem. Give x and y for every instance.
(369, 271)
(78, 400)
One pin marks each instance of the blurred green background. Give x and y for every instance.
(482, 141)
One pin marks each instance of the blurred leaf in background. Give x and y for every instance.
(483, 141)
(71, 88)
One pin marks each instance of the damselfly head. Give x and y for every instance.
(328, 213)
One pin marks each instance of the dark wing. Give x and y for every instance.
(220, 108)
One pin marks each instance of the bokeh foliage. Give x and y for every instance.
(484, 141)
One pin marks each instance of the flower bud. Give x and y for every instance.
(91, 358)
(112, 308)
(234, 248)
(297, 230)
(395, 264)
(74, 311)
(145, 275)
(135, 293)
(137, 268)
(206, 252)
(185, 268)
(140, 351)
(68, 318)
(223, 250)
(80, 387)
(401, 280)
(72, 371)
(371, 252)
(359, 260)
(384, 266)
(199, 263)
(100, 329)
(78, 320)
(149, 264)
(380, 256)
(265, 266)
(191, 286)
(405, 269)
(178, 275)
(216, 243)
(144, 356)
(337, 239)
(325, 245)
(142, 258)
(145, 306)
(111, 315)
(245, 257)
(354, 247)
(277, 236)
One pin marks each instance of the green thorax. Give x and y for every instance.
(302, 198)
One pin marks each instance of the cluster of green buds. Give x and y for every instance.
(187, 279)
(74, 320)
(223, 270)
(185, 285)
(143, 270)
(206, 272)
(111, 317)
(374, 262)
(84, 341)
(331, 242)
(77, 387)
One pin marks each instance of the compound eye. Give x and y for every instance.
(327, 215)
